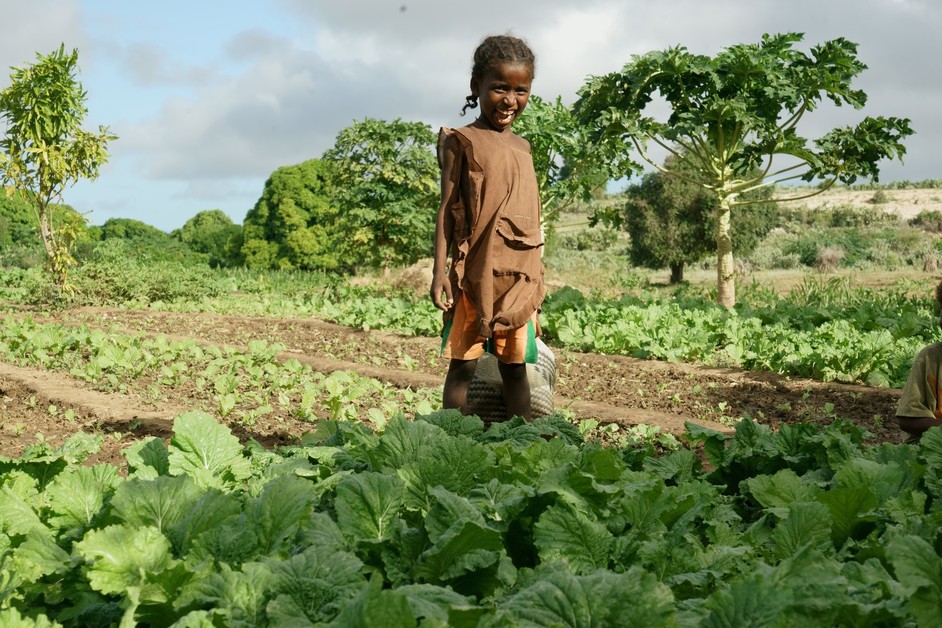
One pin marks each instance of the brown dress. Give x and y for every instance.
(496, 243)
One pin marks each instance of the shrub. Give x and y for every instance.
(118, 274)
(22, 256)
(928, 220)
(879, 197)
(590, 239)
(863, 248)
(772, 253)
(843, 215)
(930, 263)
(905, 184)
(828, 259)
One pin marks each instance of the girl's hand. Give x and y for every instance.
(441, 286)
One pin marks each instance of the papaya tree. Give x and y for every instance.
(732, 120)
(565, 170)
(44, 150)
(386, 191)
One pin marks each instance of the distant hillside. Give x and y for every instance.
(906, 203)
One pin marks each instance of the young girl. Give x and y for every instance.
(489, 222)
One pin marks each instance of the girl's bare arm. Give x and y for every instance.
(444, 224)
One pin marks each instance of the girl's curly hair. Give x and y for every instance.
(494, 50)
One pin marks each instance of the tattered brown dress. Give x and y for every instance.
(496, 242)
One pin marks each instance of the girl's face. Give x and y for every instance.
(503, 92)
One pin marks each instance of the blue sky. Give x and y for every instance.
(208, 98)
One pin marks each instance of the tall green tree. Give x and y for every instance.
(293, 224)
(386, 183)
(44, 149)
(129, 229)
(211, 233)
(17, 222)
(736, 114)
(146, 241)
(20, 244)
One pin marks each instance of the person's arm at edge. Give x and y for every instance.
(444, 224)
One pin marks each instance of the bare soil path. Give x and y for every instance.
(610, 389)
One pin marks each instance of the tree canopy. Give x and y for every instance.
(386, 189)
(565, 170)
(129, 229)
(671, 220)
(211, 233)
(44, 149)
(17, 221)
(369, 201)
(733, 121)
(293, 224)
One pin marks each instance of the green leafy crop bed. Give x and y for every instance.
(436, 522)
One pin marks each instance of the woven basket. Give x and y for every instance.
(485, 396)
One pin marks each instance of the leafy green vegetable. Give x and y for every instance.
(437, 522)
(368, 505)
(563, 534)
(919, 569)
(559, 598)
(77, 496)
(206, 450)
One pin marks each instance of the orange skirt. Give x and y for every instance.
(460, 339)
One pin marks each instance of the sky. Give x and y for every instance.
(208, 98)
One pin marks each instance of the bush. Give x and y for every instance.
(589, 239)
(930, 263)
(928, 220)
(14, 283)
(859, 245)
(772, 253)
(22, 256)
(924, 184)
(828, 259)
(118, 274)
(879, 198)
(844, 215)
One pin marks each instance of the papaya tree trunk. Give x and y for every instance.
(725, 275)
(48, 236)
(56, 243)
(677, 272)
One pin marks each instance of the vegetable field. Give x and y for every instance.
(239, 462)
(438, 522)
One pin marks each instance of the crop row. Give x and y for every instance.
(832, 350)
(436, 522)
(240, 385)
(823, 329)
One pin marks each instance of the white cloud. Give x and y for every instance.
(147, 65)
(205, 113)
(25, 33)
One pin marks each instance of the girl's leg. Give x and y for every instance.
(516, 390)
(457, 381)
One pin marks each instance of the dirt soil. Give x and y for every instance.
(41, 405)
